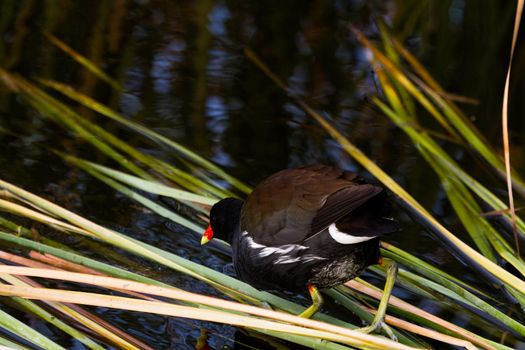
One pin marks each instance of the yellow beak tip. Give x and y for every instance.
(204, 240)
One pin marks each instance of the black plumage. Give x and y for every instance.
(281, 234)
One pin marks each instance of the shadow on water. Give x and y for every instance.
(185, 75)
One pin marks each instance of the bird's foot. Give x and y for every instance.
(379, 318)
(379, 325)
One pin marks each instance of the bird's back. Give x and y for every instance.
(293, 205)
(287, 222)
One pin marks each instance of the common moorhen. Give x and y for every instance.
(315, 227)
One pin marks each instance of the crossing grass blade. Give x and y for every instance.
(160, 139)
(148, 203)
(426, 318)
(190, 298)
(27, 333)
(444, 110)
(148, 186)
(9, 345)
(482, 232)
(48, 317)
(86, 63)
(105, 141)
(438, 96)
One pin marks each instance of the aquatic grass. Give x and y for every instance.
(449, 115)
(463, 122)
(188, 297)
(26, 197)
(160, 139)
(470, 133)
(476, 225)
(145, 185)
(102, 233)
(150, 176)
(83, 61)
(129, 184)
(431, 272)
(505, 125)
(478, 292)
(408, 122)
(464, 298)
(58, 112)
(482, 232)
(150, 204)
(467, 209)
(436, 330)
(394, 187)
(194, 313)
(55, 212)
(430, 320)
(460, 297)
(169, 254)
(438, 274)
(33, 308)
(76, 258)
(328, 346)
(105, 141)
(9, 345)
(308, 327)
(451, 291)
(423, 140)
(34, 215)
(27, 333)
(142, 346)
(204, 273)
(438, 96)
(367, 314)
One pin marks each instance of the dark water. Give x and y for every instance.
(185, 76)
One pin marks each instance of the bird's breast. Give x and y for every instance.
(273, 267)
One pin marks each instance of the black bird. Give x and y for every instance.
(313, 227)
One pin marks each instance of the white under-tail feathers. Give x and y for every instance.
(346, 238)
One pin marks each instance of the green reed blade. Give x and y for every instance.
(22, 330)
(162, 140)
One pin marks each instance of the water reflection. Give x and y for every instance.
(185, 75)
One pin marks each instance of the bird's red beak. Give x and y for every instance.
(207, 235)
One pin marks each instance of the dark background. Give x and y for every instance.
(185, 76)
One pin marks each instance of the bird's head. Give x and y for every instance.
(224, 220)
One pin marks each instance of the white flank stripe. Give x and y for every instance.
(266, 251)
(284, 254)
(345, 238)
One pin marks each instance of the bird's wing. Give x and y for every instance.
(292, 205)
(341, 203)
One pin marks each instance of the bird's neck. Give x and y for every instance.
(232, 230)
(230, 227)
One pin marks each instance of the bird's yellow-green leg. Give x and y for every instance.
(378, 321)
(317, 301)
